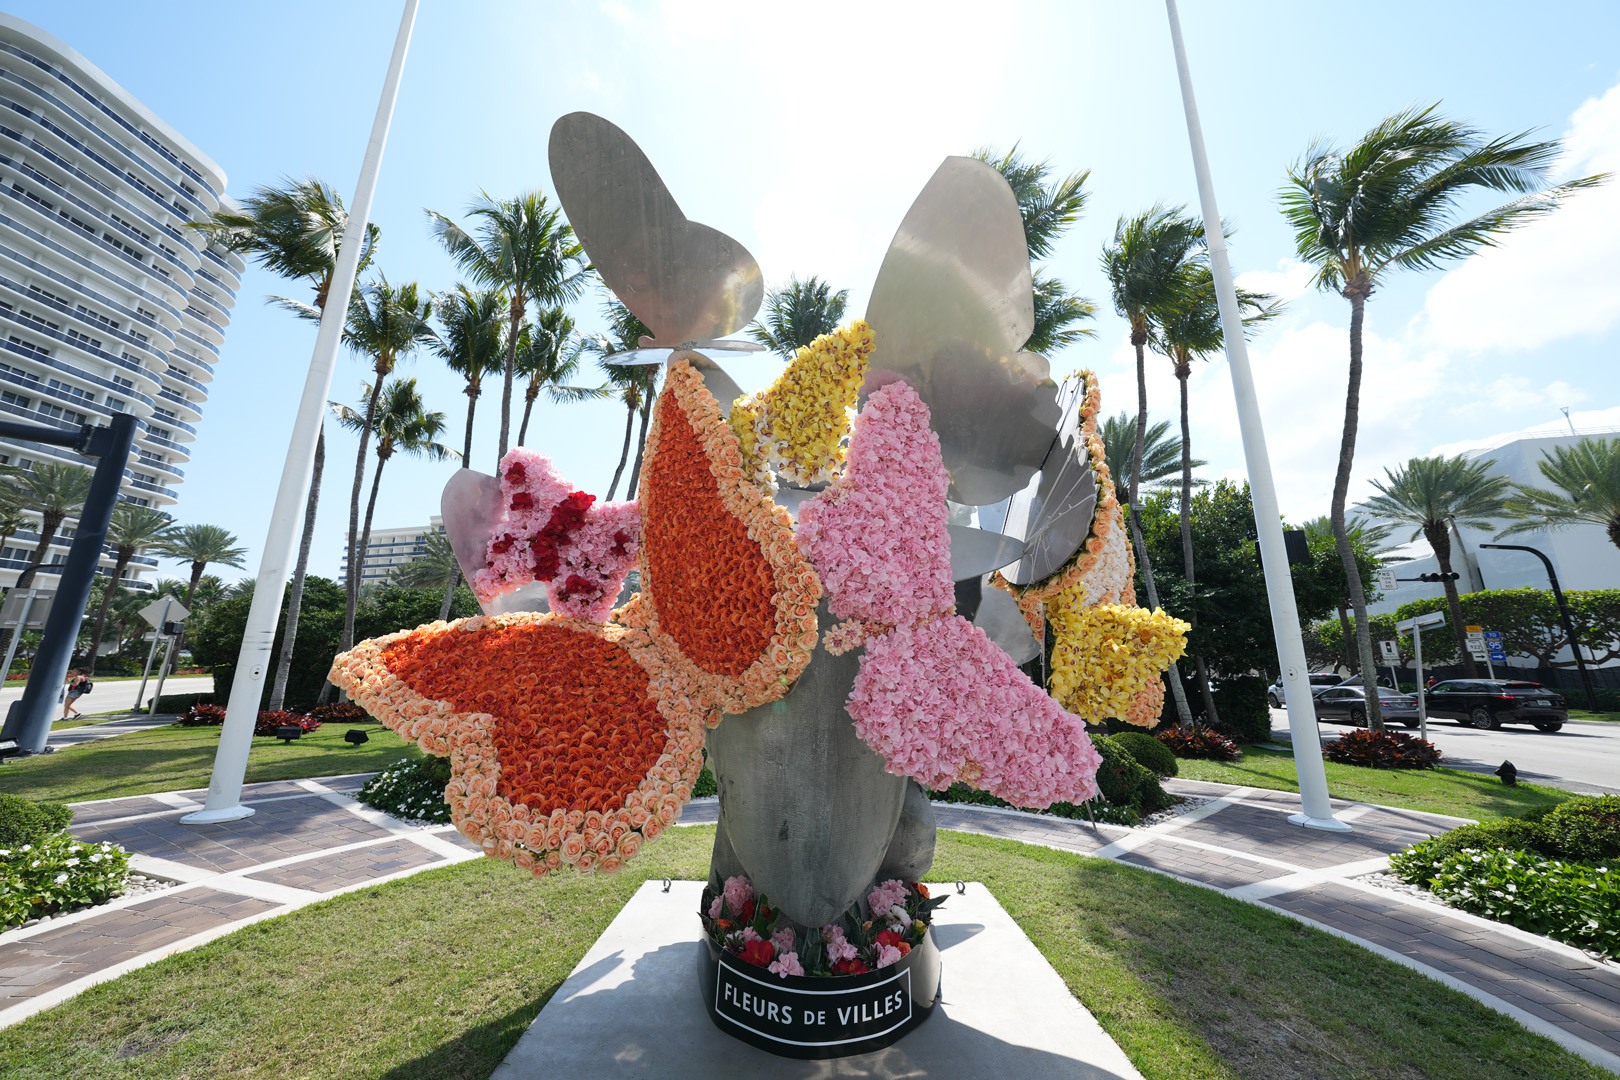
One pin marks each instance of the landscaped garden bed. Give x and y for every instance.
(46, 872)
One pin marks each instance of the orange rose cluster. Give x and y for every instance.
(728, 601)
(559, 753)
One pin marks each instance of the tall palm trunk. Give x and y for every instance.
(1348, 635)
(514, 323)
(119, 566)
(528, 408)
(295, 591)
(1440, 541)
(1357, 293)
(351, 582)
(624, 453)
(1178, 692)
(641, 442)
(473, 389)
(1183, 371)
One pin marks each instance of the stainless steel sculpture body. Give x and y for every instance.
(1053, 513)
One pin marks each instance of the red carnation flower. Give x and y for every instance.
(522, 500)
(503, 545)
(852, 966)
(515, 473)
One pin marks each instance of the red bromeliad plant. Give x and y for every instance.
(1202, 742)
(272, 720)
(1382, 750)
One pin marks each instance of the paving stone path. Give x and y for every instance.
(310, 840)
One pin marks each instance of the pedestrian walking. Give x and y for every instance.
(77, 685)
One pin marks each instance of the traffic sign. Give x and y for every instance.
(1391, 651)
(162, 610)
(1495, 635)
(1386, 581)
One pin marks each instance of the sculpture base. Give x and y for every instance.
(813, 1018)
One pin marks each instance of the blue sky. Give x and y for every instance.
(805, 130)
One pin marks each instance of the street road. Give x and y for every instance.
(1584, 755)
(117, 696)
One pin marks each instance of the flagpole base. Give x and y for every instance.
(214, 817)
(1327, 824)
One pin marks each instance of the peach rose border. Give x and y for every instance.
(583, 839)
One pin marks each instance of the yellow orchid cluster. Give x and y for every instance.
(1107, 657)
(799, 425)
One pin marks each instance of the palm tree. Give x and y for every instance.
(201, 545)
(387, 324)
(1390, 203)
(1048, 210)
(404, 426)
(1586, 477)
(435, 568)
(1145, 264)
(1188, 328)
(796, 314)
(132, 528)
(52, 491)
(1365, 536)
(635, 384)
(523, 247)
(294, 231)
(1161, 454)
(549, 354)
(1434, 495)
(12, 518)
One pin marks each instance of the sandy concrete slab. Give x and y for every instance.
(631, 1009)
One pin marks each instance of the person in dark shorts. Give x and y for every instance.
(78, 684)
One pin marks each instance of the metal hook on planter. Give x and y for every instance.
(961, 888)
(666, 884)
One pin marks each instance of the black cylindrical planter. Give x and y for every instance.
(836, 1016)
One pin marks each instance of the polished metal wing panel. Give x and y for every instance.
(950, 312)
(1053, 513)
(685, 280)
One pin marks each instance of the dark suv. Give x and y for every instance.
(1490, 703)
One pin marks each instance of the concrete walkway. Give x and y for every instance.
(310, 840)
(106, 729)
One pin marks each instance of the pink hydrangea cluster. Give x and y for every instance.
(581, 550)
(786, 963)
(888, 954)
(884, 896)
(877, 536)
(942, 702)
(838, 946)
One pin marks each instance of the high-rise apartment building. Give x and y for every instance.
(389, 549)
(108, 303)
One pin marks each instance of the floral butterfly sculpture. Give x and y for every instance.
(572, 742)
(935, 696)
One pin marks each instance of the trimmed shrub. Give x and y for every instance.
(412, 789)
(58, 874)
(705, 785)
(179, 703)
(1241, 701)
(1587, 827)
(270, 720)
(1149, 752)
(340, 712)
(1418, 864)
(23, 821)
(1202, 742)
(1382, 750)
(1125, 783)
(202, 716)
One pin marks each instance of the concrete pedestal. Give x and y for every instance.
(632, 1009)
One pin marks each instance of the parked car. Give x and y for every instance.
(1490, 703)
(1320, 680)
(1346, 702)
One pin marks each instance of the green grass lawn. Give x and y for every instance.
(175, 758)
(1588, 714)
(438, 975)
(1434, 791)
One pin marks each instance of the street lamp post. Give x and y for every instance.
(1318, 809)
(1563, 616)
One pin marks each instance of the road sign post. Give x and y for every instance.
(1416, 627)
(27, 605)
(1386, 581)
(1476, 648)
(1392, 656)
(156, 614)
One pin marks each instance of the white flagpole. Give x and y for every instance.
(236, 736)
(1318, 810)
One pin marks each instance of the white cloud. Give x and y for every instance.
(1554, 279)
(1289, 281)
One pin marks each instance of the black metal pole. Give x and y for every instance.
(110, 445)
(1563, 615)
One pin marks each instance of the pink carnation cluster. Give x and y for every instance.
(581, 550)
(877, 536)
(838, 946)
(942, 702)
(885, 895)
